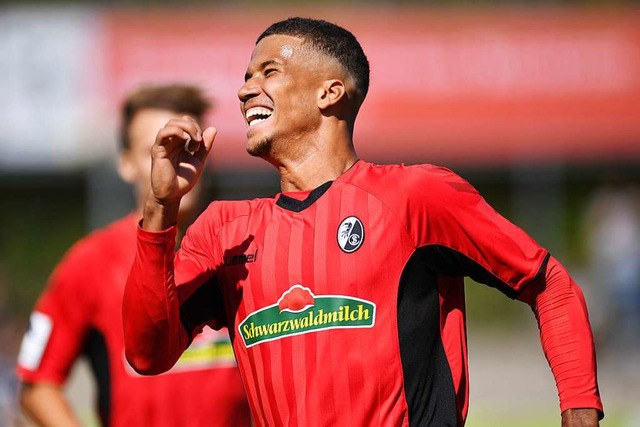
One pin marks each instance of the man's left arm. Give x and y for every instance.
(567, 341)
(474, 240)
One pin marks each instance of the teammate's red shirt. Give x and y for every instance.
(81, 312)
(345, 304)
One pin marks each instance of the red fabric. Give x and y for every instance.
(352, 376)
(561, 311)
(450, 212)
(159, 303)
(84, 295)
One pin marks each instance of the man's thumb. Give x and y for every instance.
(208, 136)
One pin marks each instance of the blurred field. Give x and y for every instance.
(511, 385)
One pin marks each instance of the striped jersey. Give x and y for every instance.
(345, 304)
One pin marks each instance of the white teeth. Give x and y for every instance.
(257, 115)
(257, 111)
(256, 121)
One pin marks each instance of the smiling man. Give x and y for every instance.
(351, 311)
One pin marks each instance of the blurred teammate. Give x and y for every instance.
(343, 294)
(80, 311)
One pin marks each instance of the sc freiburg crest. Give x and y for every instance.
(350, 234)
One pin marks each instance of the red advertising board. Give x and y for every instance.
(481, 86)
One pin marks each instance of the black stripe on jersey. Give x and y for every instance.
(448, 262)
(428, 382)
(95, 349)
(203, 306)
(295, 205)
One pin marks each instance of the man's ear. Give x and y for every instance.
(126, 170)
(331, 93)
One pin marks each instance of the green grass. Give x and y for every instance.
(485, 417)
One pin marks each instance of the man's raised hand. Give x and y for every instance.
(178, 157)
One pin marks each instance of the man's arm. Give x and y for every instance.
(53, 341)
(472, 239)
(154, 336)
(567, 341)
(47, 405)
(580, 417)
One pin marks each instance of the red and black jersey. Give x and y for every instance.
(345, 304)
(80, 313)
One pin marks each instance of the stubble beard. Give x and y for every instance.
(261, 149)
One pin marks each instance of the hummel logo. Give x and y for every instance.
(240, 259)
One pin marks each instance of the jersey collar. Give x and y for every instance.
(295, 205)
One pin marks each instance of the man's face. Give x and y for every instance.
(135, 162)
(278, 99)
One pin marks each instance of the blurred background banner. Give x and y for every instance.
(482, 86)
(49, 79)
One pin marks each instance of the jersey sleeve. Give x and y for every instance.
(58, 325)
(465, 236)
(168, 299)
(565, 334)
(196, 265)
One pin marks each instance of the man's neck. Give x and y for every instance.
(314, 171)
(325, 155)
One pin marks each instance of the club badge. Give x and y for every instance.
(350, 234)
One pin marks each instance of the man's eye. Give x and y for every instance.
(269, 71)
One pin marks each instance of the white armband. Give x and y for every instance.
(35, 341)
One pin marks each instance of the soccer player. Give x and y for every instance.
(343, 294)
(80, 312)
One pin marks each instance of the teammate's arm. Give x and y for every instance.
(53, 341)
(153, 333)
(561, 312)
(47, 405)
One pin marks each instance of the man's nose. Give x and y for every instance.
(248, 90)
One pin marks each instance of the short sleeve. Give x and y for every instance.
(57, 326)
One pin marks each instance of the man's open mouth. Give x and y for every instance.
(257, 115)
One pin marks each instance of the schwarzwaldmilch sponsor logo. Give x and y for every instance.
(350, 234)
(240, 258)
(299, 311)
